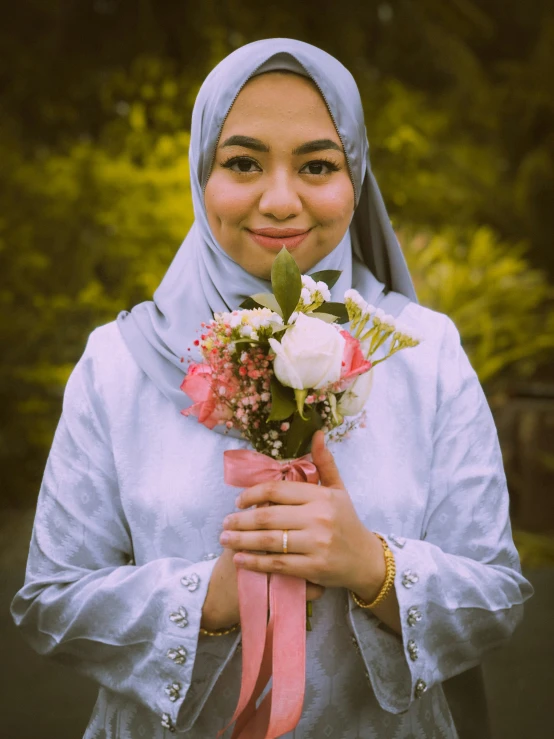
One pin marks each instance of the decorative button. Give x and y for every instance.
(409, 578)
(173, 691)
(179, 655)
(180, 618)
(166, 722)
(210, 555)
(398, 540)
(190, 582)
(413, 650)
(414, 616)
(420, 688)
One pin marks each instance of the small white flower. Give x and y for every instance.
(265, 397)
(274, 452)
(245, 330)
(273, 434)
(324, 291)
(277, 444)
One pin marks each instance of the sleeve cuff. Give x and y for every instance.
(395, 665)
(190, 666)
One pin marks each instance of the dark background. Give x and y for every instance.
(96, 98)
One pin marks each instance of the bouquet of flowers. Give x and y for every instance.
(277, 369)
(281, 367)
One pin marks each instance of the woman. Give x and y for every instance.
(131, 577)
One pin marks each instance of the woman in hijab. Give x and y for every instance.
(130, 579)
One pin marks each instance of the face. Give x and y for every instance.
(279, 177)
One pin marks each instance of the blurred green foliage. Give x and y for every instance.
(94, 188)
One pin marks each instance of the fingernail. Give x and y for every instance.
(225, 537)
(237, 502)
(240, 559)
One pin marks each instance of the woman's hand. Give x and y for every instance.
(221, 606)
(327, 543)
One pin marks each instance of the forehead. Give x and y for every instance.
(280, 98)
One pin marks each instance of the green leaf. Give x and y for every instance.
(267, 300)
(335, 309)
(327, 317)
(299, 436)
(282, 401)
(328, 276)
(250, 303)
(300, 398)
(286, 282)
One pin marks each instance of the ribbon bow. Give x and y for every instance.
(274, 649)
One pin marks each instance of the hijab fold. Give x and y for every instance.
(202, 279)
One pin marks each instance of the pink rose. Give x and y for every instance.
(353, 361)
(198, 386)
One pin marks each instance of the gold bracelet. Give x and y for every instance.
(219, 632)
(389, 578)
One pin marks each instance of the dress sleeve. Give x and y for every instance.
(459, 587)
(84, 603)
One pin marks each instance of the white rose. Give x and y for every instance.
(309, 355)
(354, 399)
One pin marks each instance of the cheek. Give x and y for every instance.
(334, 203)
(226, 202)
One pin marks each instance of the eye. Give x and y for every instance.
(241, 165)
(320, 167)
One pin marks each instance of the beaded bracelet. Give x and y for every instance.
(218, 632)
(389, 578)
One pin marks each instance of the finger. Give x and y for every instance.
(297, 565)
(323, 459)
(265, 541)
(267, 517)
(277, 491)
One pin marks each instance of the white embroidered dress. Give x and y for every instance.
(126, 536)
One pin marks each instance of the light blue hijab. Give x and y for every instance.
(202, 279)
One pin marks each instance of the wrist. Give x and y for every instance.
(371, 570)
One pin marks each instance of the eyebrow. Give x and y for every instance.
(310, 146)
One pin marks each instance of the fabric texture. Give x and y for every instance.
(203, 279)
(126, 533)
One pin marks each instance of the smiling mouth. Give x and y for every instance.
(275, 239)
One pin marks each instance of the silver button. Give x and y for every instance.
(180, 618)
(409, 578)
(420, 688)
(414, 616)
(166, 722)
(179, 655)
(173, 691)
(190, 582)
(398, 540)
(413, 650)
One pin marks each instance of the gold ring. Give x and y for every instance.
(285, 541)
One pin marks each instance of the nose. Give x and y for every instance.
(280, 199)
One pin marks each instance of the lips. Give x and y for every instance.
(277, 233)
(277, 238)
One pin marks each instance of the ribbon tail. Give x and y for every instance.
(288, 601)
(253, 603)
(253, 723)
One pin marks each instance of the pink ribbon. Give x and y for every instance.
(276, 649)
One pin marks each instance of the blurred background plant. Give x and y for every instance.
(94, 189)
